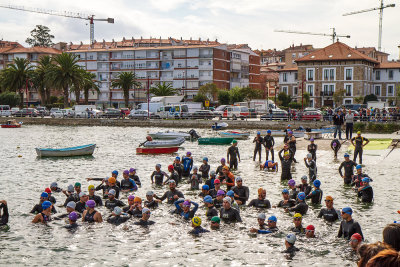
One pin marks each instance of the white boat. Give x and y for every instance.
(165, 143)
(170, 135)
(219, 126)
(235, 135)
(66, 152)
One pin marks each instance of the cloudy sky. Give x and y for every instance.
(232, 21)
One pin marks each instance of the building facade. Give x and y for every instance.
(386, 81)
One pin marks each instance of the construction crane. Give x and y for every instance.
(333, 35)
(380, 8)
(73, 15)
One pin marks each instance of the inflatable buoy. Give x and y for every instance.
(19, 156)
(398, 211)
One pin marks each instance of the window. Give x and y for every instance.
(296, 76)
(310, 74)
(377, 90)
(295, 90)
(329, 89)
(285, 89)
(378, 75)
(329, 74)
(390, 90)
(348, 74)
(349, 89)
(310, 89)
(284, 78)
(348, 101)
(293, 55)
(390, 74)
(312, 103)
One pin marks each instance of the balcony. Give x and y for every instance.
(235, 80)
(206, 56)
(327, 93)
(166, 78)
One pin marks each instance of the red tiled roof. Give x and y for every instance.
(36, 49)
(141, 48)
(389, 65)
(336, 51)
(288, 69)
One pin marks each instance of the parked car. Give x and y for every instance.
(111, 113)
(43, 111)
(26, 112)
(5, 110)
(126, 111)
(232, 112)
(277, 114)
(203, 114)
(53, 110)
(313, 115)
(142, 115)
(62, 113)
(13, 111)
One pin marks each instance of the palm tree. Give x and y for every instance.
(126, 81)
(40, 81)
(89, 84)
(163, 89)
(64, 73)
(16, 77)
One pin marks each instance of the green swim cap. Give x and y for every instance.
(78, 185)
(234, 142)
(216, 219)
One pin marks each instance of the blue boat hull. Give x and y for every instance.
(66, 152)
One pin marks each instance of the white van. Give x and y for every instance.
(175, 111)
(5, 110)
(81, 111)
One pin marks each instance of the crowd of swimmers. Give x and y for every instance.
(223, 194)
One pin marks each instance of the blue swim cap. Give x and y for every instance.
(347, 210)
(358, 167)
(115, 172)
(205, 187)
(346, 155)
(44, 194)
(269, 131)
(366, 180)
(178, 158)
(230, 193)
(205, 158)
(272, 218)
(317, 183)
(258, 133)
(208, 199)
(301, 196)
(46, 204)
(285, 191)
(158, 165)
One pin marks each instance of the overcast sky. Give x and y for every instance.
(233, 21)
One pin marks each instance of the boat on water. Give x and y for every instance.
(174, 135)
(66, 152)
(165, 143)
(156, 150)
(219, 126)
(11, 124)
(215, 141)
(235, 135)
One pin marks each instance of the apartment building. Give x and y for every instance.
(270, 56)
(186, 67)
(288, 82)
(293, 53)
(269, 81)
(386, 80)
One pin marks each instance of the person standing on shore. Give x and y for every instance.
(338, 121)
(257, 149)
(269, 143)
(233, 155)
(349, 125)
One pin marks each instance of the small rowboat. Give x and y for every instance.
(169, 135)
(11, 124)
(156, 150)
(215, 141)
(235, 135)
(219, 126)
(165, 143)
(66, 152)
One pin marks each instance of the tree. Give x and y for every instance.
(40, 37)
(284, 99)
(9, 98)
(65, 72)
(338, 96)
(40, 81)
(359, 99)
(306, 99)
(200, 98)
(163, 89)
(250, 93)
(236, 95)
(209, 90)
(370, 97)
(126, 81)
(223, 97)
(16, 77)
(89, 84)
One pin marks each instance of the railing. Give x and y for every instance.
(327, 93)
(235, 80)
(206, 55)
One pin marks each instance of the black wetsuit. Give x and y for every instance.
(300, 207)
(169, 195)
(142, 222)
(293, 193)
(219, 171)
(111, 204)
(357, 179)
(210, 183)
(233, 152)
(257, 149)
(211, 212)
(4, 214)
(204, 169)
(136, 179)
(71, 226)
(347, 229)
(291, 250)
(230, 216)
(96, 199)
(213, 192)
(64, 216)
(348, 170)
(80, 207)
(292, 145)
(116, 188)
(243, 193)
(128, 184)
(218, 204)
(260, 203)
(89, 217)
(269, 143)
(52, 200)
(299, 230)
(134, 212)
(73, 197)
(338, 145)
(312, 169)
(329, 215)
(198, 230)
(366, 194)
(305, 188)
(290, 203)
(104, 188)
(158, 177)
(179, 169)
(286, 165)
(38, 209)
(316, 196)
(312, 149)
(117, 220)
(175, 176)
(151, 204)
(358, 150)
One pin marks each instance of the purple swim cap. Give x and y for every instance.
(186, 204)
(126, 172)
(291, 182)
(132, 170)
(90, 203)
(220, 193)
(223, 159)
(131, 197)
(73, 216)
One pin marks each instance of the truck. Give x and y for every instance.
(259, 105)
(152, 107)
(166, 100)
(174, 111)
(376, 104)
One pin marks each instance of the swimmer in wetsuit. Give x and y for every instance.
(134, 207)
(185, 211)
(144, 221)
(134, 177)
(158, 176)
(211, 210)
(91, 215)
(233, 155)
(316, 195)
(290, 140)
(359, 143)
(330, 214)
(265, 228)
(312, 149)
(112, 201)
(348, 166)
(3, 213)
(365, 191)
(312, 167)
(301, 207)
(257, 149)
(286, 165)
(171, 195)
(357, 178)
(197, 229)
(72, 218)
(269, 165)
(127, 184)
(187, 162)
(260, 202)
(229, 214)
(298, 226)
(269, 143)
(304, 186)
(204, 169)
(335, 145)
(44, 216)
(150, 202)
(348, 226)
(116, 218)
(287, 202)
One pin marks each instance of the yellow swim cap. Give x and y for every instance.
(90, 187)
(297, 215)
(196, 221)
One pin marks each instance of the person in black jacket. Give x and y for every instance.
(338, 121)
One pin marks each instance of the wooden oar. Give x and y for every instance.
(394, 146)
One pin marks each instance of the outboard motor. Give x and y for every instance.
(193, 134)
(308, 130)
